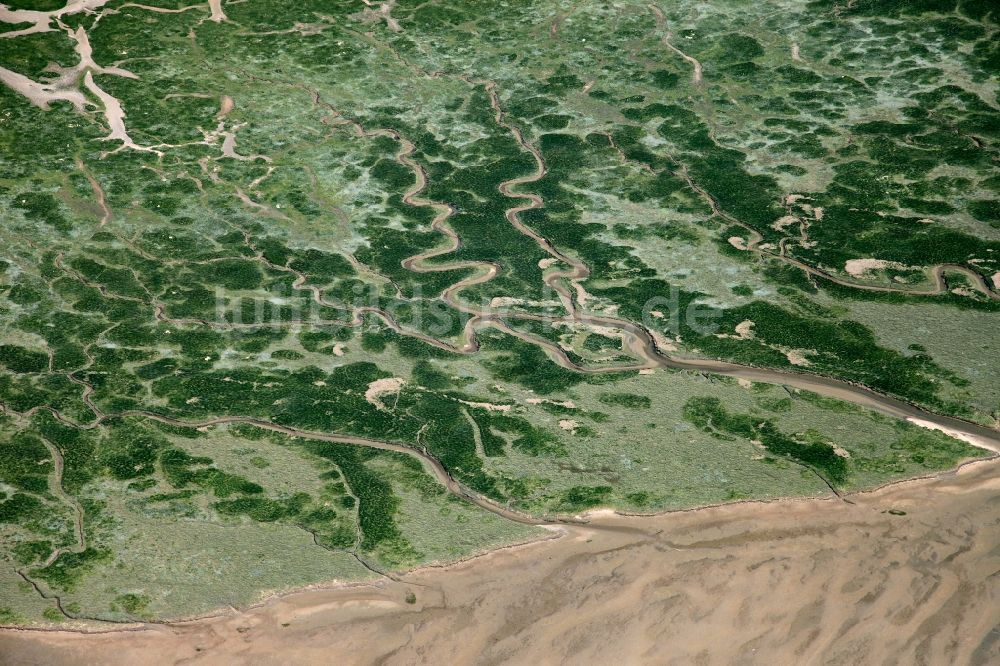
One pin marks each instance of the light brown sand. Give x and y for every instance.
(791, 582)
(859, 268)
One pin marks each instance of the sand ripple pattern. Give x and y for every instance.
(790, 582)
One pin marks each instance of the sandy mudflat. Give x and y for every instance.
(796, 582)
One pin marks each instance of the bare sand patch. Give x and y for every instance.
(784, 221)
(738, 243)
(859, 268)
(744, 330)
(568, 424)
(662, 341)
(969, 438)
(225, 106)
(582, 295)
(217, 15)
(381, 387)
(505, 301)
(488, 406)
(798, 357)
